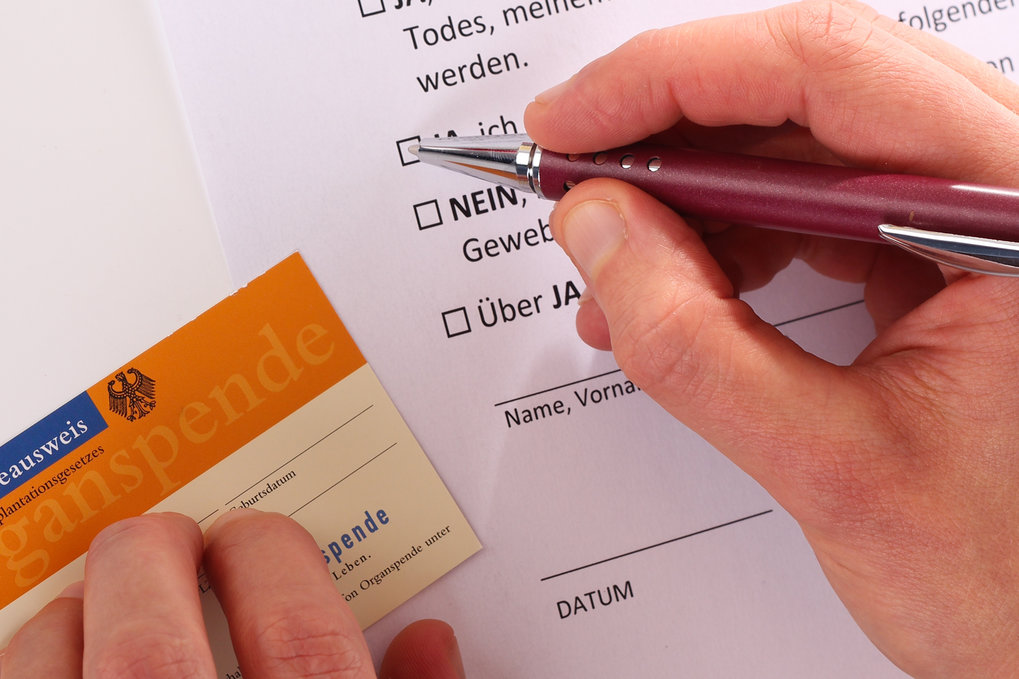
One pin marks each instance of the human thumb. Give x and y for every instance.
(679, 332)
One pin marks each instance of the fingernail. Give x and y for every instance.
(456, 663)
(552, 93)
(75, 590)
(228, 518)
(592, 231)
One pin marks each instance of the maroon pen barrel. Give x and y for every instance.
(780, 194)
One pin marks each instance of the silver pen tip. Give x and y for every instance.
(501, 159)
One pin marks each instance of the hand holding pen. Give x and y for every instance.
(903, 468)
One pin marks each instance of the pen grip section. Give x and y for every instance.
(781, 194)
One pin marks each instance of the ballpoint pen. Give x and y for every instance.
(968, 226)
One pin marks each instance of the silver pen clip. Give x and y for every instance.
(970, 253)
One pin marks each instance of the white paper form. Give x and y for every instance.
(107, 242)
(616, 542)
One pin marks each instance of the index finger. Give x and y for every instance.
(871, 97)
(142, 615)
(286, 617)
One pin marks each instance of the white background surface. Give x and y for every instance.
(107, 243)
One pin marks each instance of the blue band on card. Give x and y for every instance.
(47, 441)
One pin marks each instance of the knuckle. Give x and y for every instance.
(310, 645)
(152, 656)
(630, 69)
(820, 33)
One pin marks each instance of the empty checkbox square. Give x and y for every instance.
(403, 146)
(428, 214)
(371, 7)
(456, 322)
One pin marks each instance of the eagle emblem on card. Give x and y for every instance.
(132, 394)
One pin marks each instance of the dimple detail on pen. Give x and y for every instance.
(627, 161)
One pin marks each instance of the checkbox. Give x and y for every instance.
(371, 7)
(456, 322)
(402, 145)
(428, 214)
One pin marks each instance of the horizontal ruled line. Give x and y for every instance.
(274, 471)
(383, 452)
(555, 388)
(656, 545)
(840, 307)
